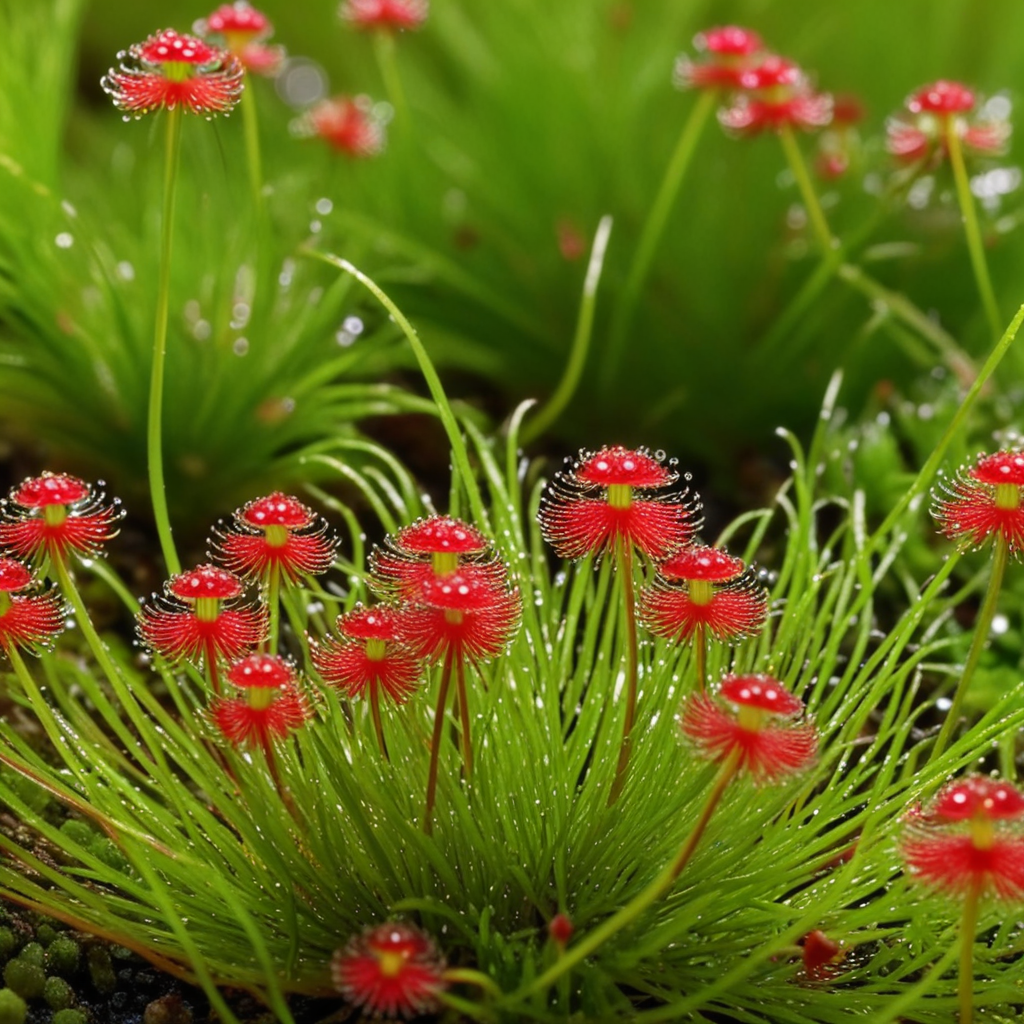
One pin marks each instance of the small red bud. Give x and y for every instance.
(560, 929)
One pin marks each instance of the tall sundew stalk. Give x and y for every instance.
(154, 417)
(435, 741)
(175, 73)
(972, 230)
(819, 223)
(385, 53)
(624, 569)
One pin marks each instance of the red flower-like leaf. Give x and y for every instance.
(374, 657)
(385, 14)
(610, 496)
(392, 970)
(732, 612)
(970, 839)
(820, 955)
(919, 132)
(984, 500)
(26, 620)
(729, 52)
(170, 70)
(464, 613)
(276, 532)
(347, 125)
(768, 751)
(54, 515)
(271, 709)
(428, 549)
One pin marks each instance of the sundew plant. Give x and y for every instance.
(538, 743)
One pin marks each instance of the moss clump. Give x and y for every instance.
(70, 1017)
(12, 1007)
(8, 942)
(101, 970)
(59, 995)
(26, 978)
(45, 934)
(34, 954)
(62, 955)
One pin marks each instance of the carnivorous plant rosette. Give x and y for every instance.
(27, 620)
(245, 31)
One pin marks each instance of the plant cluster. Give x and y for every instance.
(447, 776)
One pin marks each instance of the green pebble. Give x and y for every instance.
(68, 1017)
(46, 933)
(12, 1007)
(58, 994)
(101, 970)
(27, 979)
(62, 955)
(33, 954)
(8, 943)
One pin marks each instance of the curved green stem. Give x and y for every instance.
(636, 906)
(154, 423)
(797, 164)
(556, 404)
(972, 230)
(982, 625)
(968, 929)
(700, 648)
(624, 567)
(653, 229)
(460, 455)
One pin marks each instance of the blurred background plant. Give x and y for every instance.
(525, 125)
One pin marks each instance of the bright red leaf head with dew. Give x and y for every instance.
(386, 15)
(198, 620)
(277, 533)
(428, 549)
(777, 95)
(464, 613)
(982, 501)
(727, 53)
(392, 970)
(373, 655)
(617, 495)
(920, 131)
(347, 125)
(27, 621)
(969, 840)
(272, 706)
(244, 29)
(752, 721)
(170, 71)
(703, 587)
(56, 515)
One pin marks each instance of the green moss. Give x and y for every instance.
(34, 954)
(101, 970)
(63, 955)
(58, 994)
(12, 1007)
(8, 943)
(45, 934)
(27, 979)
(70, 1017)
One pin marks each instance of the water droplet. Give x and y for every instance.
(125, 271)
(240, 347)
(324, 206)
(65, 240)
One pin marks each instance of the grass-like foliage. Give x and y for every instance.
(232, 871)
